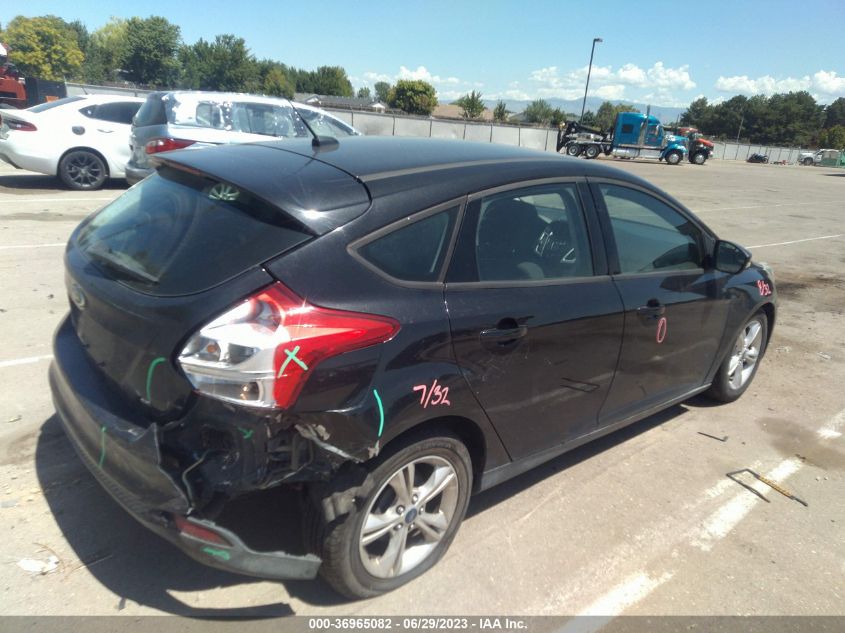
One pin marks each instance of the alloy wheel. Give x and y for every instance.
(745, 355)
(408, 517)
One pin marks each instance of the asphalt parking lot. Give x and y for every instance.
(643, 521)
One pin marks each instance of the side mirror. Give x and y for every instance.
(731, 258)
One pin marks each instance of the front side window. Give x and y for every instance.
(414, 252)
(650, 235)
(531, 234)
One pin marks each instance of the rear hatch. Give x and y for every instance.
(177, 249)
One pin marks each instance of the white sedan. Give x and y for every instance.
(84, 140)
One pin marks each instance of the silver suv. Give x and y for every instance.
(173, 120)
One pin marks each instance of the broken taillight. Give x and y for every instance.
(166, 144)
(260, 352)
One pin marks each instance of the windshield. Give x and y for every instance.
(177, 233)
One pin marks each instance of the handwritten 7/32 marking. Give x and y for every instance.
(441, 395)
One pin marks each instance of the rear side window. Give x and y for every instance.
(178, 233)
(414, 252)
(152, 112)
(121, 112)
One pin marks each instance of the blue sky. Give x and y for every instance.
(665, 53)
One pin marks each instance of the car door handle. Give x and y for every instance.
(504, 335)
(651, 311)
(104, 130)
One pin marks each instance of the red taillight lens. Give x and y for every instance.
(166, 144)
(198, 531)
(261, 352)
(20, 126)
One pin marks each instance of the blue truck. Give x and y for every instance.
(634, 135)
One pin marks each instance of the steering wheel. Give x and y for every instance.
(554, 245)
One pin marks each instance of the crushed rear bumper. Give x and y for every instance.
(125, 458)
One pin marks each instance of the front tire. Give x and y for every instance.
(83, 170)
(406, 515)
(739, 368)
(698, 158)
(673, 157)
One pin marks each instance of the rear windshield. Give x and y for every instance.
(49, 105)
(152, 112)
(178, 233)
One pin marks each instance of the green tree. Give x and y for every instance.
(332, 80)
(539, 111)
(833, 137)
(382, 89)
(472, 107)
(363, 93)
(589, 119)
(697, 114)
(224, 64)
(275, 79)
(606, 114)
(151, 51)
(501, 112)
(106, 52)
(414, 96)
(558, 117)
(46, 47)
(834, 114)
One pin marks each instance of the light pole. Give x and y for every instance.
(589, 70)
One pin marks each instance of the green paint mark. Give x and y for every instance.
(150, 370)
(102, 446)
(291, 357)
(219, 553)
(247, 433)
(380, 413)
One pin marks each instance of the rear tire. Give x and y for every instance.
(740, 366)
(573, 149)
(807, 161)
(673, 157)
(591, 151)
(387, 540)
(83, 170)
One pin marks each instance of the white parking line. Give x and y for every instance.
(4, 248)
(759, 206)
(716, 527)
(808, 239)
(24, 361)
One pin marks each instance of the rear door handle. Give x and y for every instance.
(104, 130)
(504, 336)
(651, 311)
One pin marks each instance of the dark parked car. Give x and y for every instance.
(757, 158)
(390, 325)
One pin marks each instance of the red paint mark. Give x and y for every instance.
(662, 326)
(764, 288)
(433, 395)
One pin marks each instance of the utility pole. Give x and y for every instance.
(589, 70)
(741, 119)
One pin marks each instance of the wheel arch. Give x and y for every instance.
(465, 429)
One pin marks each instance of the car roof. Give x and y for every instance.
(109, 98)
(422, 171)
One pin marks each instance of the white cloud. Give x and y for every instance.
(825, 84)
(609, 83)
(422, 73)
(610, 91)
(374, 77)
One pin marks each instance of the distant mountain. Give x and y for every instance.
(664, 113)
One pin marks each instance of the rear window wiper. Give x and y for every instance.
(120, 263)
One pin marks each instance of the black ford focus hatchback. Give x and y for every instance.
(389, 325)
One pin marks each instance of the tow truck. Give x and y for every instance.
(19, 92)
(634, 135)
(700, 149)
